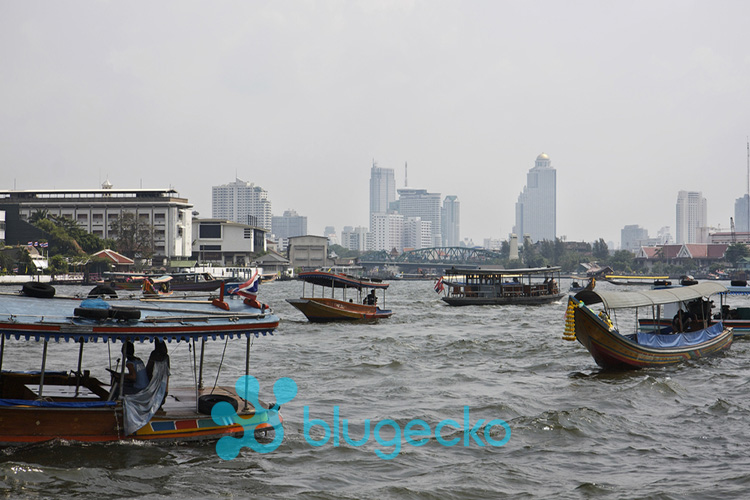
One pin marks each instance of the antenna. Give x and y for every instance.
(406, 174)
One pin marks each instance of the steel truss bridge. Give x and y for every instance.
(438, 258)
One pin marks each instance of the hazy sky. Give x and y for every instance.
(632, 100)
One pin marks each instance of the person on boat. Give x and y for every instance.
(159, 354)
(136, 378)
(370, 298)
(682, 322)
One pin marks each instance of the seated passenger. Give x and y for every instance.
(136, 378)
(370, 299)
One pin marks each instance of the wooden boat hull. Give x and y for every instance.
(502, 300)
(326, 309)
(29, 424)
(612, 350)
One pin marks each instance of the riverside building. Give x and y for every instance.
(94, 209)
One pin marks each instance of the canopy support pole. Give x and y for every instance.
(200, 370)
(247, 369)
(80, 361)
(44, 365)
(2, 350)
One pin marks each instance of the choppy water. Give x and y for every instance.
(679, 432)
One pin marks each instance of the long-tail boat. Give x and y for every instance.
(683, 339)
(75, 405)
(340, 307)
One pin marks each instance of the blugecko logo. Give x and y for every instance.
(248, 388)
(416, 432)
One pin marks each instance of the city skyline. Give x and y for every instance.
(299, 98)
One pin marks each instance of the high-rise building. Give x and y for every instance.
(451, 218)
(426, 206)
(536, 208)
(354, 238)
(691, 217)
(382, 189)
(742, 214)
(386, 232)
(288, 225)
(242, 202)
(633, 237)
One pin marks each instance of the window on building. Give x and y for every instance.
(207, 231)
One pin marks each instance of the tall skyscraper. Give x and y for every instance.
(420, 203)
(451, 216)
(691, 217)
(536, 208)
(242, 202)
(742, 214)
(382, 189)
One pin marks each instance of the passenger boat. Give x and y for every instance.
(77, 405)
(645, 347)
(363, 306)
(538, 285)
(181, 282)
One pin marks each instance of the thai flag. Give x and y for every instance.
(30, 244)
(249, 288)
(439, 285)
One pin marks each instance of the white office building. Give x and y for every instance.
(536, 208)
(94, 210)
(691, 217)
(386, 231)
(242, 202)
(354, 238)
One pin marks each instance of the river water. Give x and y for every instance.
(574, 431)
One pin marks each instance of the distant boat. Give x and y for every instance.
(634, 280)
(324, 309)
(181, 282)
(644, 347)
(527, 286)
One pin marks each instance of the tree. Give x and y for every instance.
(600, 250)
(134, 237)
(622, 261)
(735, 252)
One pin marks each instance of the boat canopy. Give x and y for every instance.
(333, 280)
(647, 298)
(504, 272)
(143, 336)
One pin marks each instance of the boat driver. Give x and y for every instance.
(136, 378)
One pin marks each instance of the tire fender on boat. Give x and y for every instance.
(39, 290)
(91, 312)
(103, 291)
(124, 313)
(207, 402)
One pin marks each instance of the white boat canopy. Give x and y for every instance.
(647, 298)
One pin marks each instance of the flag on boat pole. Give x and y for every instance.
(249, 289)
(439, 285)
